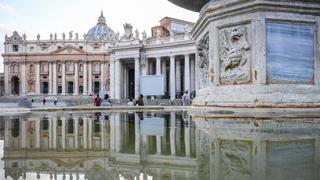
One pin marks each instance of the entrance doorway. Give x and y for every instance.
(96, 87)
(70, 87)
(59, 89)
(45, 87)
(15, 85)
(131, 83)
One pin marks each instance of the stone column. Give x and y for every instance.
(193, 73)
(50, 78)
(54, 76)
(90, 133)
(187, 73)
(158, 64)
(37, 134)
(23, 134)
(145, 69)
(103, 134)
(85, 78)
(172, 78)
(137, 133)
(23, 79)
(76, 133)
(158, 139)
(112, 77)
(54, 133)
(118, 79)
(187, 138)
(118, 132)
(112, 133)
(6, 133)
(38, 78)
(6, 79)
(50, 132)
(103, 76)
(63, 119)
(76, 78)
(164, 72)
(90, 78)
(85, 133)
(136, 77)
(173, 133)
(178, 75)
(63, 78)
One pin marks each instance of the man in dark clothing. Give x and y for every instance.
(139, 102)
(97, 101)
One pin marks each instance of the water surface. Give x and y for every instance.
(157, 145)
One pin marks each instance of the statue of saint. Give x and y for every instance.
(144, 35)
(70, 35)
(137, 34)
(24, 37)
(55, 36)
(63, 36)
(38, 36)
(51, 36)
(77, 36)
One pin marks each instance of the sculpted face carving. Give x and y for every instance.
(203, 62)
(234, 52)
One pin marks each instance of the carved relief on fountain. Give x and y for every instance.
(203, 61)
(234, 55)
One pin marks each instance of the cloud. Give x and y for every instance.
(5, 7)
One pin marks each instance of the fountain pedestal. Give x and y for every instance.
(258, 53)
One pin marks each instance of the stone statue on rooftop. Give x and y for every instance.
(55, 36)
(51, 36)
(128, 35)
(144, 35)
(137, 34)
(63, 36)
(38, 36)
(77, 36)
(70, 35)
(24, 37)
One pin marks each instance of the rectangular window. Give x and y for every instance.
(290, 52)
(15, 48)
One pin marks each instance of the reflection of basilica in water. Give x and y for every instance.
(159, 145)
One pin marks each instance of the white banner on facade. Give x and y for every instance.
(152, 85)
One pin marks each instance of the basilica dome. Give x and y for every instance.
(101, 31)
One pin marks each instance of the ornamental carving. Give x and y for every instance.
(203, 61)
(234, 54)
(128, 35)
(14, 39)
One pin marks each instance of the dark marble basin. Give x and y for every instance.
(193, 5)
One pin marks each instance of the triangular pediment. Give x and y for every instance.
(68, 49)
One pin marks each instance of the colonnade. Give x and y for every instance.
(57, 77)
(57, 134)
(175, 62)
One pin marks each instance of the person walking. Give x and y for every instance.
(44, 101)
(55, 101)
(97, 101)
(185, 99)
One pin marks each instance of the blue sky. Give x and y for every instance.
(50, 16)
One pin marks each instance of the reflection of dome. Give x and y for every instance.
(101, 31)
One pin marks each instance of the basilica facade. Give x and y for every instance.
(103, 61)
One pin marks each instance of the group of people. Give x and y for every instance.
(44, 101)
(107, 102)
(139, 102)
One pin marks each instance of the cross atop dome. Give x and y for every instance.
(101, 19)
